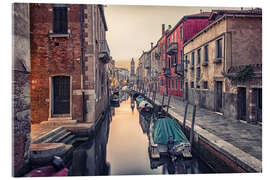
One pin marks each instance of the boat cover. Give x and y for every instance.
(144, 104)
(139, 99)
(165, 127)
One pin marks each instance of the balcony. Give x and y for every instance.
(167, 71)
(104, 51)
(179, 69)
(172, 49)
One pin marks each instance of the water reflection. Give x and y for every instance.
(120, 147)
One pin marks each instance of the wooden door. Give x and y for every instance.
(186, 91)
(61, 95)
(241, 103)
(218, 95)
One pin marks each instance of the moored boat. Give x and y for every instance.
(167, 138)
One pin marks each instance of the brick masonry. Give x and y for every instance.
(53, 56)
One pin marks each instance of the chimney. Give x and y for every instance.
(201, 11)
(152, 45)
(169, 27)
(163, 29)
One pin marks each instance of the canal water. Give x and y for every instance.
(120, 147)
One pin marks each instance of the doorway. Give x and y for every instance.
(60, 95)
(186, 91)
(241, 102)
(218, 96)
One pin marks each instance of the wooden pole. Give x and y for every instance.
(169, 101)
(192, 125)
(162, 100)
(185, 117)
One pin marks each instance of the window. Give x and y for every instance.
(219, 48)
(199, 56)
(169, 83)
(172, 84)
(205, 84)
(198, 74)
(206, 53)
(192, 58)
(181, 33)
(60, 19)
(186, 63)
(181, 56)
(176, 84)
(181, 84)
(192, 84)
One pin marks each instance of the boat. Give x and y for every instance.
(56, 168)
(115, 100)
(139, 99)
(167, 138)
(146, 109)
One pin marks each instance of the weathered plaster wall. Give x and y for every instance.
(20, 81)
(212, 70)
(246, 40)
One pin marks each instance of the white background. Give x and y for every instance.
(6, 94)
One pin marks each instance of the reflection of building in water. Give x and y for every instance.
(90, 157)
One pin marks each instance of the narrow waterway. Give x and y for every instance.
(127, 149)
(120, 147)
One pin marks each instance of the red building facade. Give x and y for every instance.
(171, 45)
(162, 46)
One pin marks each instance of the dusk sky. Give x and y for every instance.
(131, 29)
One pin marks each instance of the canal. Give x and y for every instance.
(120, 147)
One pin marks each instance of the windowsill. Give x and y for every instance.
(218, 60)
(53, 35)
(205, 64)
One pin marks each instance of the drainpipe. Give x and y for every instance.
(82, 57)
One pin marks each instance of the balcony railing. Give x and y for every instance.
(179, 69)
(172, 49)
(167, 71)
(104, 51)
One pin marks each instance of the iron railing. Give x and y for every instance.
(104, 51)
(172, 49)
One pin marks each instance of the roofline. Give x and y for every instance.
(217, 21)
(185, 18)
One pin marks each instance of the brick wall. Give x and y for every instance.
(53, 56)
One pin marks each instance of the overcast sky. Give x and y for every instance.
(131, 29)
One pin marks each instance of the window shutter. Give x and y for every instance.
(60, 20)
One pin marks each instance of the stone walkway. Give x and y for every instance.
(246, 137)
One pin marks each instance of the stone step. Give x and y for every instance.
(59, 118)
(58, 122)
(53, 138)
(65, 135)
(68, 139)
(51, 133)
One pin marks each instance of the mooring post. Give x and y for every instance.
(154, 98)
(192, 125)
(169, 101)
(185, 117)
(162, 99)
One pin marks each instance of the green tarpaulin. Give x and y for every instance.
(165, 127)
(140, 99)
